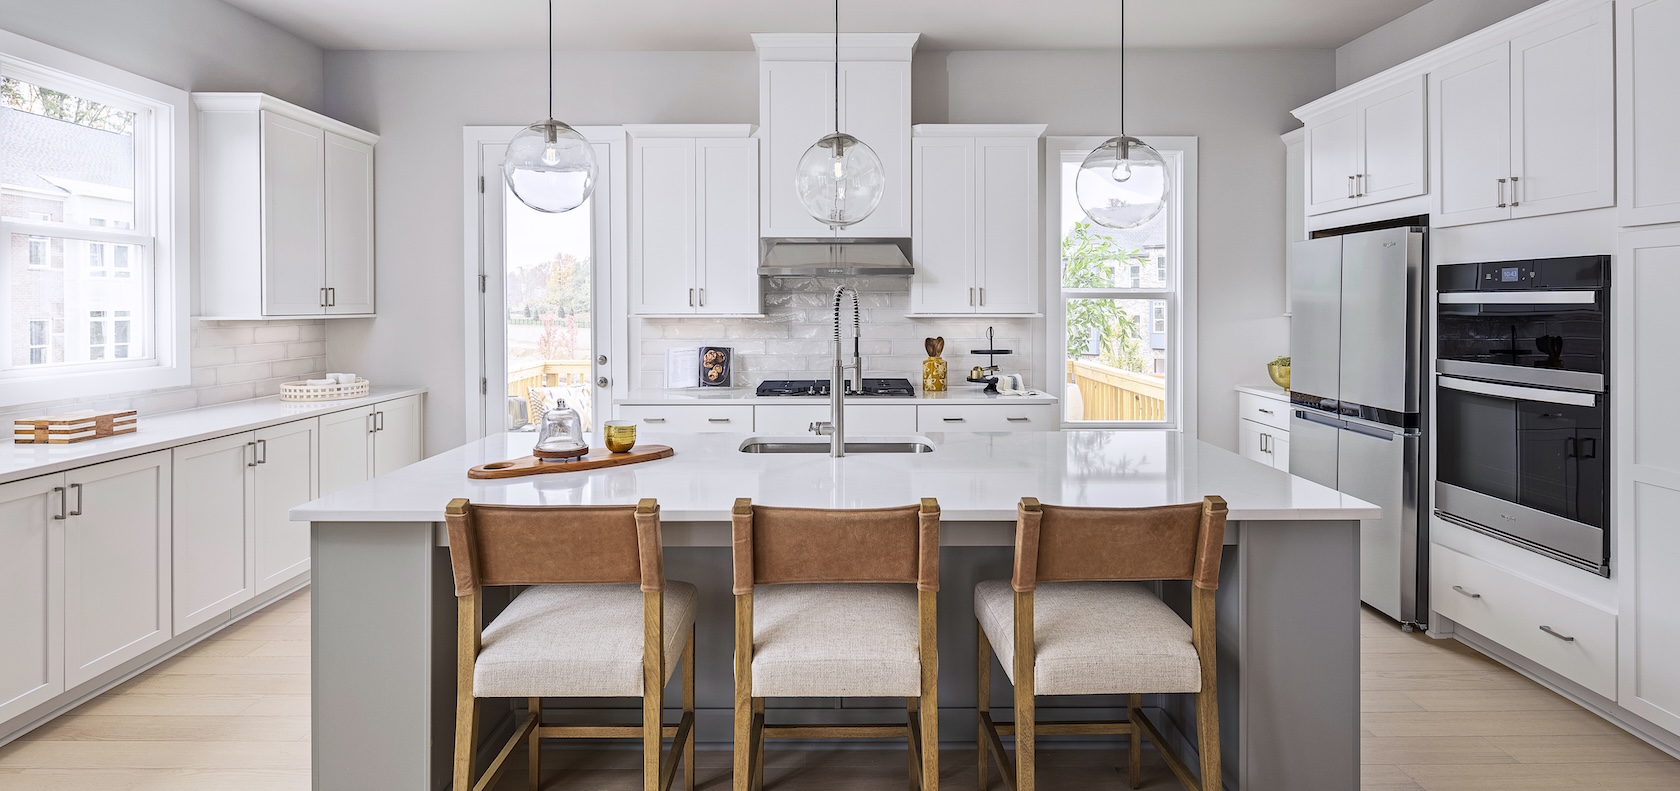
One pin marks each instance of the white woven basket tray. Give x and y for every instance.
(298, 391)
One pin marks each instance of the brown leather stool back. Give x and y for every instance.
(496, 545)
(792, 545)
(1067, 544)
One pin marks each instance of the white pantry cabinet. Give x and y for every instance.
(975, 224)
(694, 220)
(1647, 463)
(1647, 113)
(1371, 150)
(213, 528)
(285, 210)
(1527, 127)
(797, 108)
(116, 563)
(32, 517)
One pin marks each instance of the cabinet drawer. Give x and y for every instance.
(685, 418)
(1531, 619)
(1264, 410)
(861, 419)
(986, 417)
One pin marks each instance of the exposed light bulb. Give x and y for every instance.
(551, 155)
(1122, 172)
(839, 168)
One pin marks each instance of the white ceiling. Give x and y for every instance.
(725, 24)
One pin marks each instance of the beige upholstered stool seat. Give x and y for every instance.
(1094, 638)
(565, 641)
(835, 640)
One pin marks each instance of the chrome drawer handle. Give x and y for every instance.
(1461, 589)
(955, 419)
(1019, 419)
(1553, 632)
(653, 420)
(717, 420)
(1264, 411)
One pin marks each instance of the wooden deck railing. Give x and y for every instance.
(550, 373)
(1109, 393)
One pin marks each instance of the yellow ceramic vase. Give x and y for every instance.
(933, 375)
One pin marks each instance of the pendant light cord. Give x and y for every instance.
(837, 66)
(1122, 66)
(551, 60)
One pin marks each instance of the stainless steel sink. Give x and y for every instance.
(819, 445)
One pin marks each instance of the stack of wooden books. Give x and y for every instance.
(72, 427)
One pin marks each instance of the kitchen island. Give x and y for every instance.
(384, 606)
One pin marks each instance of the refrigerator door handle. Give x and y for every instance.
(1320, 419)
(1376, 433)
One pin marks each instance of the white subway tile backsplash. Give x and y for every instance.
(244, 372)
(306, 349)
(280, 334)
(259, 352)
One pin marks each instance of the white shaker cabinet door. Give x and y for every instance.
(1394, 140)
(1250, 442)
(1563, 112)
(349, 225)
(1470, 113)
(116, 564)
(346, 449)
(796, 108)
(1006, 252)
(294, 215)
(662, 215)
(1333, 161)
(943, 230)
(214, 528)
(726, 222)
(874, 108)
(397, 429)
(32, 516)
(1648, 116)
(285, 478)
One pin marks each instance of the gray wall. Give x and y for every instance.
(1237, 103)
(1430, 26)
(195, 45)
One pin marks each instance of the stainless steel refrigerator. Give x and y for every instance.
(1357, 402)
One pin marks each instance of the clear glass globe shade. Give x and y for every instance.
(1124, 183)
(840, 180)
(550, 167)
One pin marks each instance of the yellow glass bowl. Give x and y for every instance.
(620, 435)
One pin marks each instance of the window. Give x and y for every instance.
(89, 222)
(1122, 326)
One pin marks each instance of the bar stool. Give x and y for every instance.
(1077, 623)
(582, 630)
(824, 608)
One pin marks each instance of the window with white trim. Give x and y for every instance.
(1118, 321)
(92, 275)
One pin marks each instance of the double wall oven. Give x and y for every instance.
(1522, 404)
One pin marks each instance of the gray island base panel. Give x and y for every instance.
(384, 606)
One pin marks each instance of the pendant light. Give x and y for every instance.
(1124, 183)
(839, 180)
(549, 166)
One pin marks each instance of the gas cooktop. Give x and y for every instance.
(897, 388)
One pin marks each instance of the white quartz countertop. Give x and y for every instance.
(960, 393)
(976, 477)
(155, 432)
(1265, 391)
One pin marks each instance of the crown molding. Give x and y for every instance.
(820, 46)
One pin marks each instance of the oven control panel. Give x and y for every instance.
(1580, 273)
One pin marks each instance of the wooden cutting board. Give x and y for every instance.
(595, 459)
(72, 427)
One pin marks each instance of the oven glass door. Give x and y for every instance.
(1519, 445)
(1519, 330)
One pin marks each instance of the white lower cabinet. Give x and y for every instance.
(346, 449)
(861, 419)
(285, 476)
(690, 418)
(1566, 635)
(398, 426)
(1263, 429)
(32, 516)
(214, 528)
(987, 417)
(116, 563)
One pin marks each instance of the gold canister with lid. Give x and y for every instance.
(934, 368)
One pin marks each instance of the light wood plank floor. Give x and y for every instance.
(233, 713)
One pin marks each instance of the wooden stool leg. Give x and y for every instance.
(1134, 761)
(466, 706)
(758, 751)
(1026, 727)
(533, 749)
(1207, 733)
(983, 704)
(688, 709)
(929, 644)
(744, 736)
(910, 705)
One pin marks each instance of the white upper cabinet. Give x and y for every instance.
(975, 239)
(1370, 150)
(1527, 128)
(694, 220)
(285, 210)
(797, 108)
(1647, 113)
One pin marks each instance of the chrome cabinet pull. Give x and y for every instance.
(371, 425)
(1019, 419)
(63, 504)
(1263, 411)
(379, 420)
(1503, 203)
(982, 295)
(1463, 592)
(1553, 632)
(77, 511)
(653, 420)
(252, 446)
(955, 420)
(1515, 195)
(971, 296)
(691, 297)
(702, 297)
(322, 297)
(262, 451)
(717, 420)
(1350, 187)
(1359, 186)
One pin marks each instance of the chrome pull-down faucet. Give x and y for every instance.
(835, 427)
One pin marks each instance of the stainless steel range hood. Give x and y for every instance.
(834, 258)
